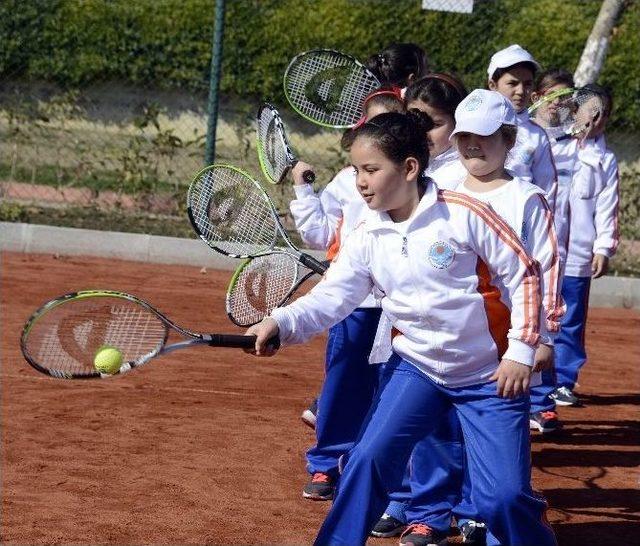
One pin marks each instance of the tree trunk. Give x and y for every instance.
(595, 49)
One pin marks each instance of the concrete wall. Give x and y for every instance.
(32, 238)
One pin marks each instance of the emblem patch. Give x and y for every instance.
(441, 255)
(473, 102)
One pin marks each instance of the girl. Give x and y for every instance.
(544, 416)
(350, 382)
(421, 247)
(399, 64)
(511, 72)
(593, 240)
(523, 207)
(437, 95)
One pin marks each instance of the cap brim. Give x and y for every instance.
(476, 126)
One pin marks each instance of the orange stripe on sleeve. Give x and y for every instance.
(334, 247)
(509, 237)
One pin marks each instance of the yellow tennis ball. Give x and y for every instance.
(108, 360)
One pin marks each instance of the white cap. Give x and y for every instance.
(483, 112)
(509, 56)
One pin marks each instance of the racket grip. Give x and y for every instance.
(309, 176)
(240, 342)
(313, 264)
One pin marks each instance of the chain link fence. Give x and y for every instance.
(109, 155)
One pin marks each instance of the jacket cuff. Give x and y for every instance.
(303, 191)
(520, 352)
(604, 251)
(285, 327)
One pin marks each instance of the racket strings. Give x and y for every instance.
(231, 213)
(67, 337)
(263, 284)
(329, 88)
(272, 145)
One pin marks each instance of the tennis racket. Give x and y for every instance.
(587, 109)
(573, 111)
(553, 109)
(62, 338)
(274, 152)
(231, 212)
(261, 284)
(328, 87)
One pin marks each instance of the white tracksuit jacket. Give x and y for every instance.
(593, 206)
(531, 159)
(429, 270)
(325, 220)
(564, 157)
(523, 206)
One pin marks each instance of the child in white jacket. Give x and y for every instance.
(511, 73)
(593, 240)
(350, 382)
(421, 247)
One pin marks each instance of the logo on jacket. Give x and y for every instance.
(441, 255)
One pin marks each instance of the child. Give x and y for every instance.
(399, 64)
(421, 247)
(593, 240)
(350, 382)
(544, 416)
(437, 95)
(511, 73)
(525, 210)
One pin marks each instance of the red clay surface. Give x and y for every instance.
(206, 446)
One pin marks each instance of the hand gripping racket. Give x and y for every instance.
(261, 284)
(62, 338)
(231, 212)
(328, 88)
(274, 152)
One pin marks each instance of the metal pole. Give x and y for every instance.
(214, 82)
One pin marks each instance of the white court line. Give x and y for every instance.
(153, 387)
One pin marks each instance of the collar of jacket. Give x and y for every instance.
(380, 221)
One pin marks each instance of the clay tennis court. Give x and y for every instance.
(206, 446)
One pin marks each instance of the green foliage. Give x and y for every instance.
(167, 43)
(630, 202)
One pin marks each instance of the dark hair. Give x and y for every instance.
(390, 102)
(394, 64)
(509, 134)
(399, 135)
(387, 97)
(441, 91)
(603, 92)
(499, 72)
(551, 77)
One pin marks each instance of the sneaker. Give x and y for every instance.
(321, 486)
(564, 397)
(419, 534)
(473, 532)
(309, 415)
(544, 421)
(388, 526)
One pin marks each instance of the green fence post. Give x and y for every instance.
(214, 83)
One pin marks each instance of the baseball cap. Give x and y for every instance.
(483, 112)
(509, 56)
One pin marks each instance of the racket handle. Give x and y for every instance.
(309, 176)
(309, 261)
(239, 342)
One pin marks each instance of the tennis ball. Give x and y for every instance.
(108, 360)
